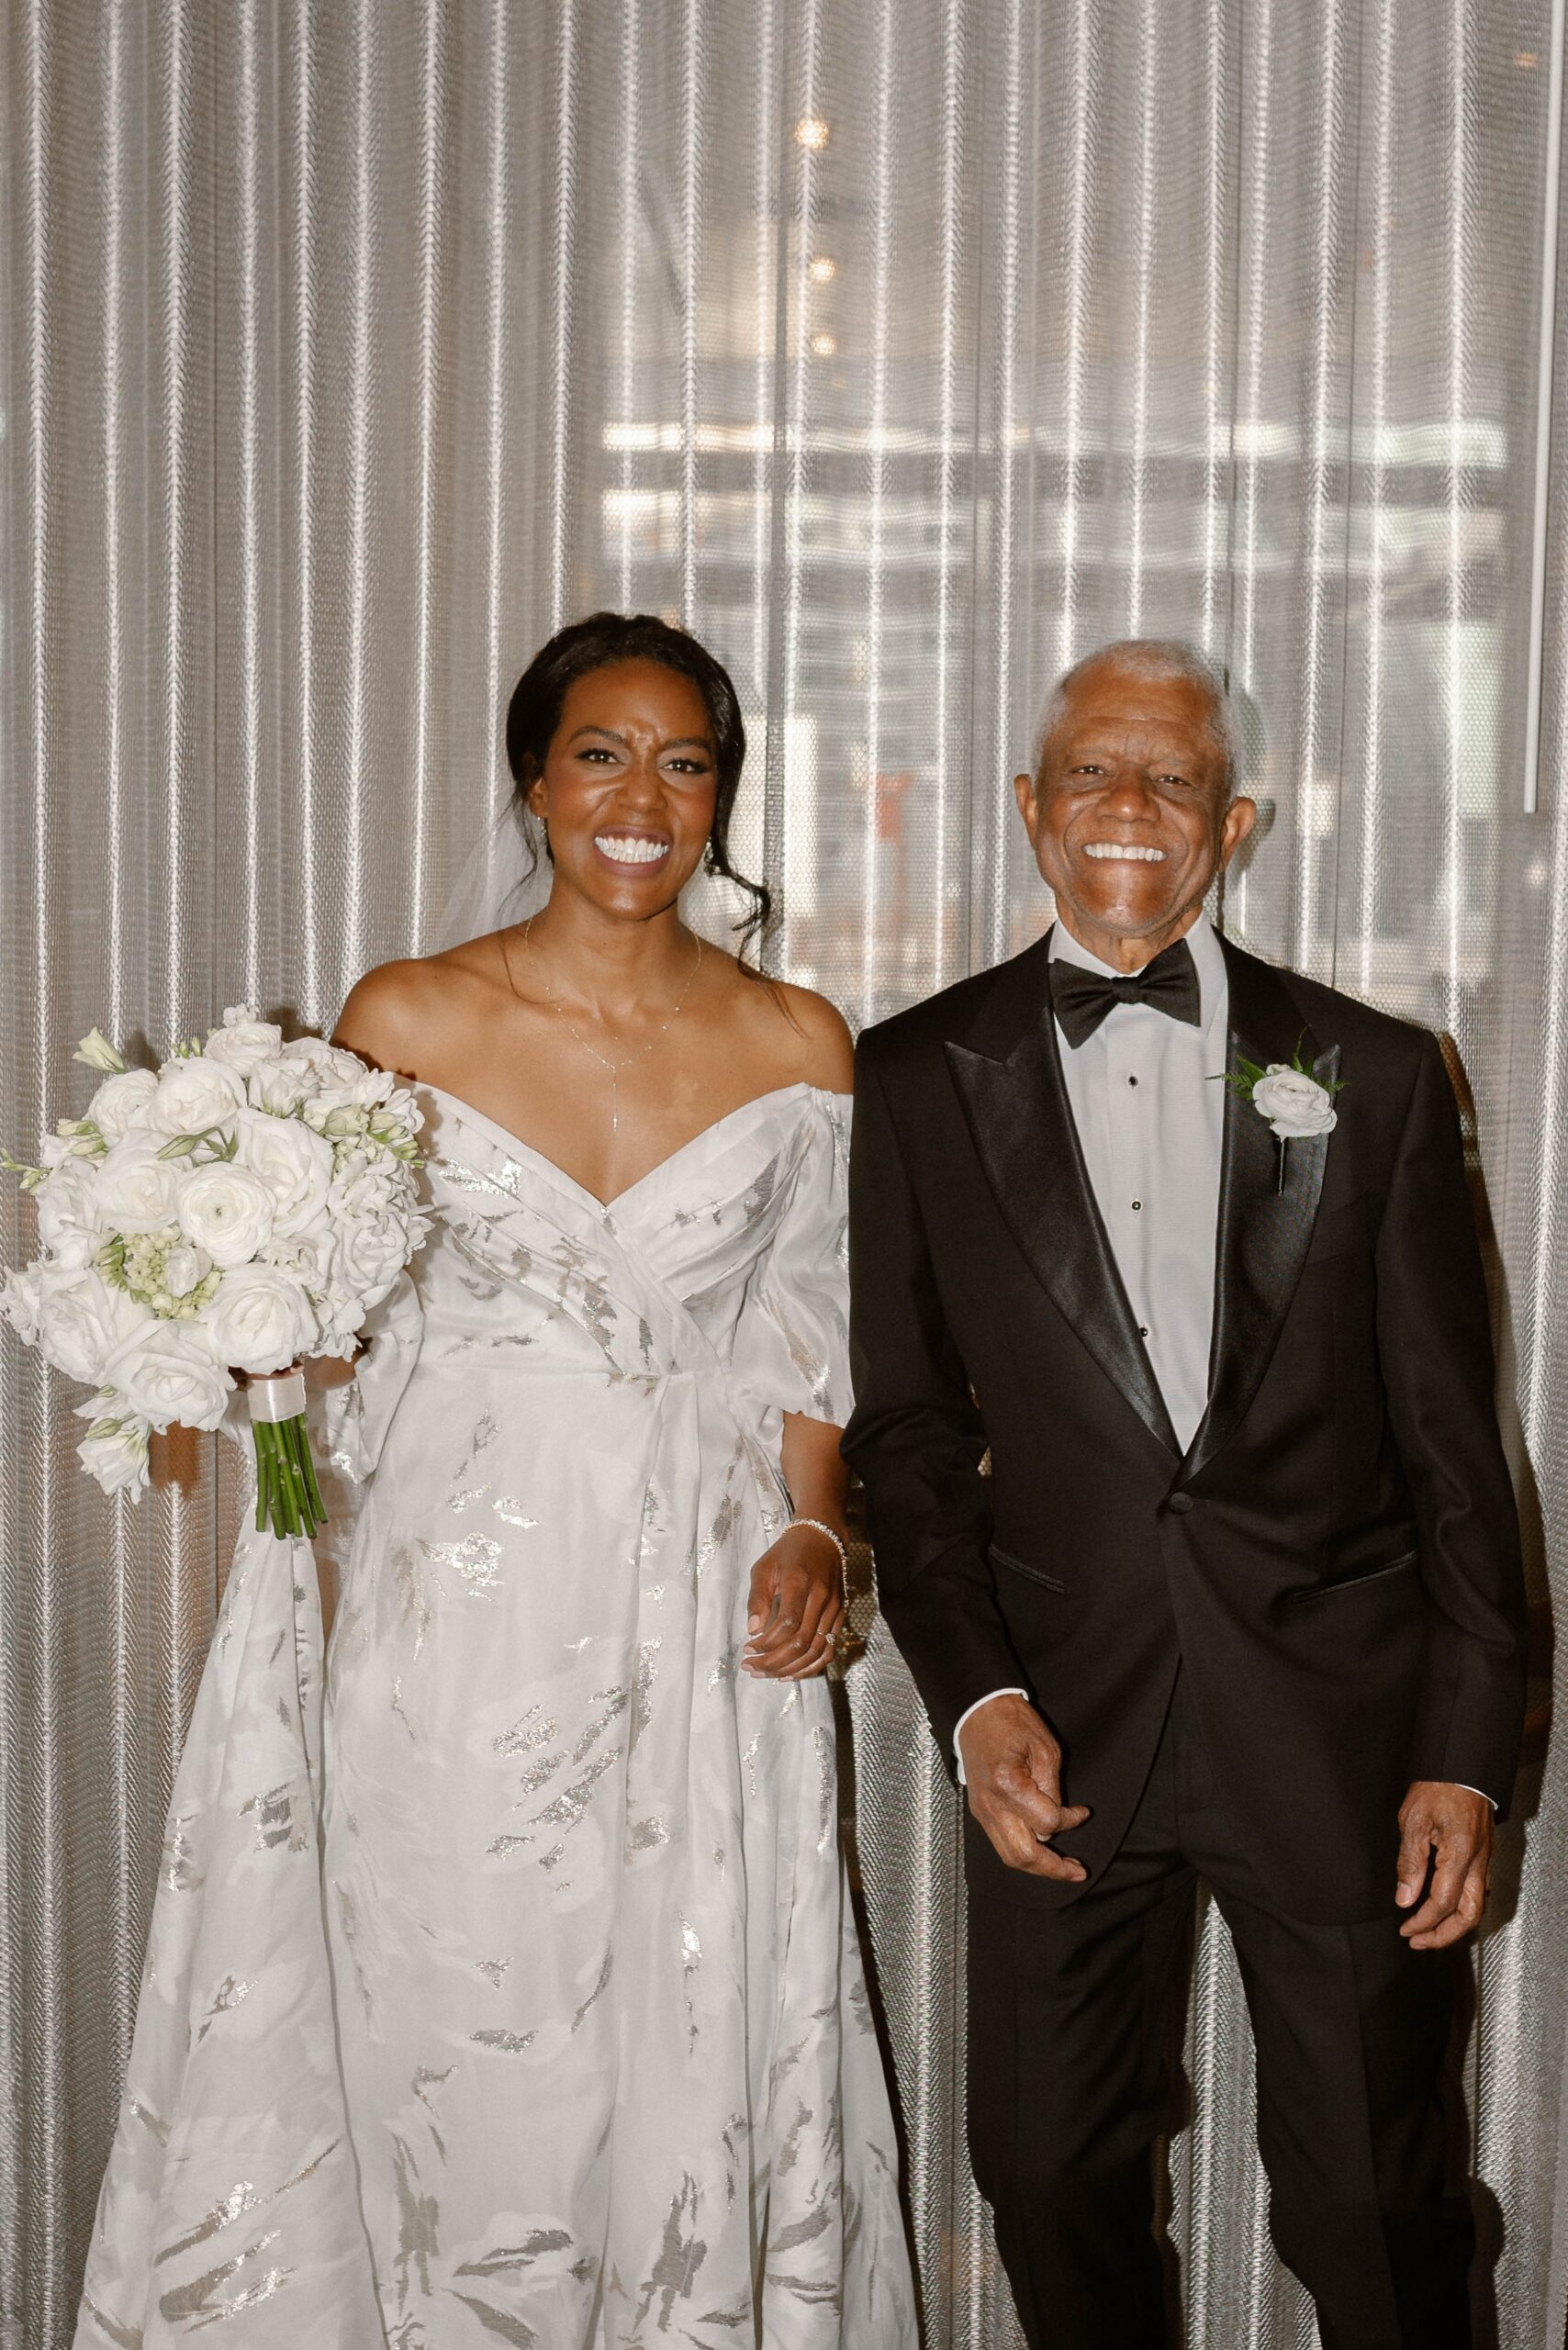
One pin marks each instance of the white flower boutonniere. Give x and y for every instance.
(1296, 1104)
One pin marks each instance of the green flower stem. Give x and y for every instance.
(288, 1498)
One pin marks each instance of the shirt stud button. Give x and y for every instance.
(1142, 1329)
(1132, 1080)
(1138, 1207)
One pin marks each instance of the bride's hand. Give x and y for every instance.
(795, 1606)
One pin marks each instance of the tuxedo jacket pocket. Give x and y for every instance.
(1356, 1581)
(1022, 1567)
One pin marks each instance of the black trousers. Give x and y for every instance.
(1072, 2014)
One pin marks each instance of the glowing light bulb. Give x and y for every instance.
(822, 269)
(824, 345)
(811, 131)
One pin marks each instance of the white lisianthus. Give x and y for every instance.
(167, 1372)
(83, 1320)
(226, 1211)
(280, 1087)
(294, 1164)
(21, 1303)
(185, 1268)
(68, 1212)
(137, 1190)
(328, 1064)
(114, 1450)
(98, 1053)
(260, 1320)
(245, 1041)
(120, 1102)
(195, 1095)
(1295, 1104)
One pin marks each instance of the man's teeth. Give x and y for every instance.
(632, 848)
(1109, 851)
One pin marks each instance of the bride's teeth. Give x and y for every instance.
(1122, 850)
(628, 849)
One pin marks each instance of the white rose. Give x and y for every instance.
(1295, 1105)
(194, 1095)
(68, 1212)
(294, 1164)
(120, 1102)
(82, 1321)
(114, 1451)
(260, 1319)
(137, 1190)
(226, 1211)
(168, 1372)
(328, 1064)
(244, 1041)
(365, 1204)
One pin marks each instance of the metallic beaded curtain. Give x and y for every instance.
(905, 349)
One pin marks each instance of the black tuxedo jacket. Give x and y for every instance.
(1334, 1562)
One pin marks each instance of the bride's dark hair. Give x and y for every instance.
(598, 643)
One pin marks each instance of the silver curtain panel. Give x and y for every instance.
(904, 349)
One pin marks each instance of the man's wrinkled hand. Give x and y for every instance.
(1453, 1830)
(1012, 1765)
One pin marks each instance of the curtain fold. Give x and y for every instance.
(904, 349)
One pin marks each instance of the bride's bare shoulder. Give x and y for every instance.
(402, 1014)
(803, 1037)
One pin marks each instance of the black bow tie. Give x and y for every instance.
(1082, 998)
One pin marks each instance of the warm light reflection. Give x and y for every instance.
(811, 131)
(822, 268)
(824, 345)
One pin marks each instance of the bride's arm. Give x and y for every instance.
(796, 1587)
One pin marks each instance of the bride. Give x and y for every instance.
(592, 2061)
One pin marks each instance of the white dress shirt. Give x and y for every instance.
(1149, 1109)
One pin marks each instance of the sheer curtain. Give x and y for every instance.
(904, 349)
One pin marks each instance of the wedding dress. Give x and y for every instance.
(507, 1990)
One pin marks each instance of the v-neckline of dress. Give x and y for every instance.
(515, 1143)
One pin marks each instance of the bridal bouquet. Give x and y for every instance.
(242, 1206)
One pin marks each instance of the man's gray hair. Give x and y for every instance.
(1166, 659)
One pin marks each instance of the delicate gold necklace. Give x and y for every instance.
(613, 1069)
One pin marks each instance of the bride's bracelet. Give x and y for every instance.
(836, 1539)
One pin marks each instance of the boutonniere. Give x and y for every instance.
(1296, 1104)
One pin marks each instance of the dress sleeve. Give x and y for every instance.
(793, 1349)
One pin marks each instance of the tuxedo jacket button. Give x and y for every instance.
(1179, 1504)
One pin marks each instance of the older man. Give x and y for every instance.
(1241, 1598)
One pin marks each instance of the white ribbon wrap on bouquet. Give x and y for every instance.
(277, 1396)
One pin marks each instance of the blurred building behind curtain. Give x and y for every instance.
(904, 349)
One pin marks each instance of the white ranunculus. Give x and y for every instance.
(120, 1102)
(260, 1320)
(245, 1040)
(68, 1212)
(114, 1451)
(1295, 1104)
(294, 1164)
(137, 1190)
(226, 1211)
(83, 1320)
(168, 1372)
(329, 1065)
(195, 1095)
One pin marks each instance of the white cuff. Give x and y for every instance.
(963, 1718)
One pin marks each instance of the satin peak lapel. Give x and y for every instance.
(1008, 1076)
(1264, 1231)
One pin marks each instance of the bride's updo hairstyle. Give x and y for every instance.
(600, 643)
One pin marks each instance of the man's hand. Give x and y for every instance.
(1012, 1765)
(1457, 1826)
